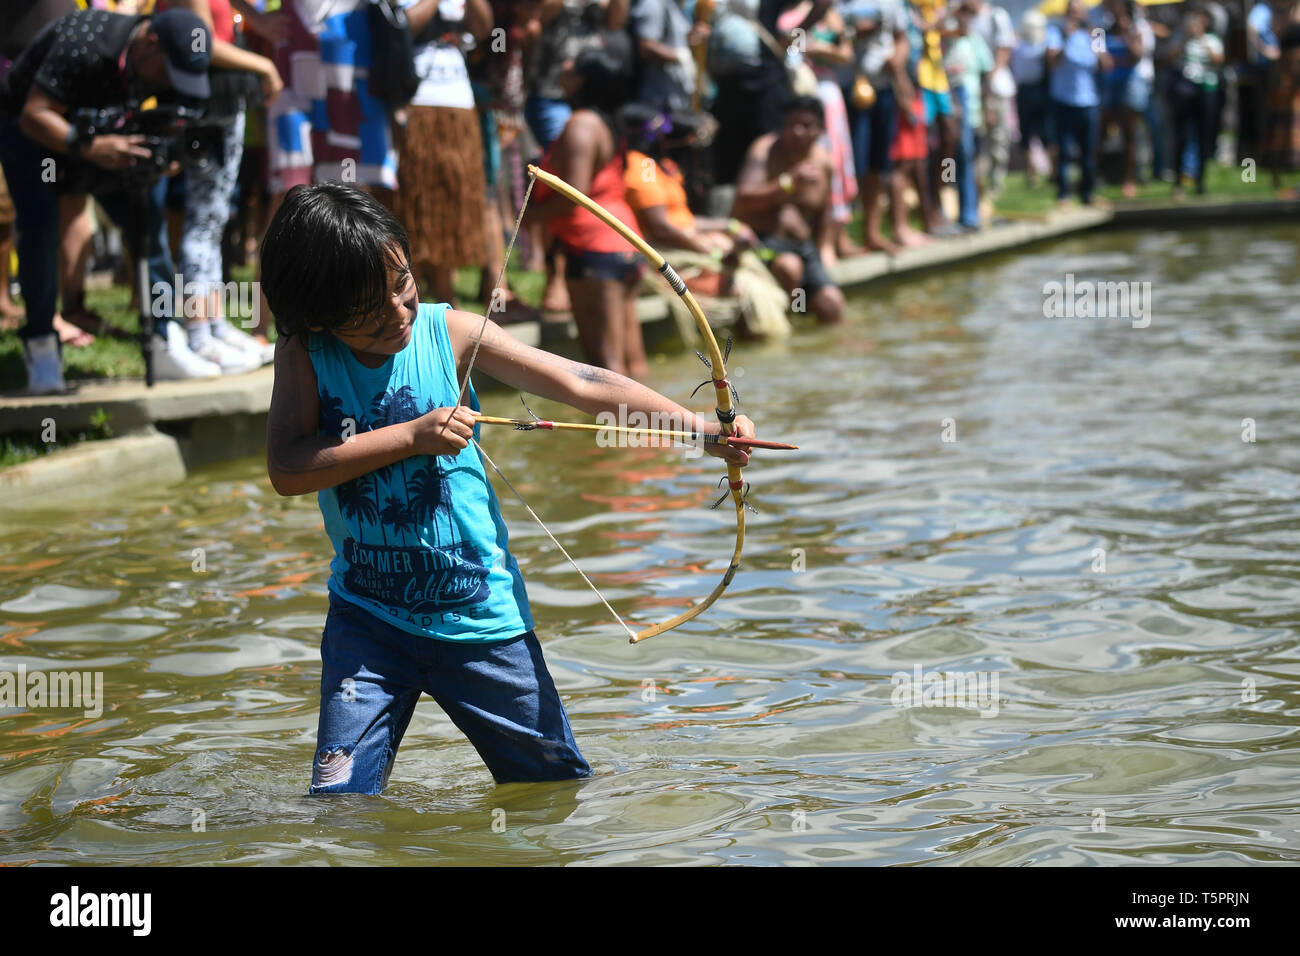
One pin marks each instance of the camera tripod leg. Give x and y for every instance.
(140, 249)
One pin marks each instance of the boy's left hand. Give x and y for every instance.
(744, 429)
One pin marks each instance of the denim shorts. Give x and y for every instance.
(622, 267)
(1129, 92)
(815, 277)
(499, 694)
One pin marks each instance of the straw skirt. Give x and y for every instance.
(440, 196)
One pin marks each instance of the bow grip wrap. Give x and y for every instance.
(674, 280)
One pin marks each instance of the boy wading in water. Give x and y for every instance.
(424, 593)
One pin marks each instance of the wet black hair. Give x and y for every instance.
(806, 104)
(326, 257)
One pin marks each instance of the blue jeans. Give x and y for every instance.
(37, 222)
(1033, 110)
(967, 187)
(37, 206)
(872, 131)
(1192, 122)
(1155, 125)
(1076, 125)
(499, 694)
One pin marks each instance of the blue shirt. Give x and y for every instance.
(1073, 81)
(420, 543)
(1261, 18)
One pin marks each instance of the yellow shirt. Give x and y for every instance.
(930, 74)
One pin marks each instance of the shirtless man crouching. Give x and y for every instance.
(784, 196)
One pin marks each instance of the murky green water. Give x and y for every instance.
(1144, 713)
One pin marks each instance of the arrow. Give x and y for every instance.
(736, 441)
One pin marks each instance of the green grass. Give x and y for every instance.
(18, 448)
(1222, 184)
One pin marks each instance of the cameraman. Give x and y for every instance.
(92, 59)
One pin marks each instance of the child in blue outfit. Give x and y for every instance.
(425, 596)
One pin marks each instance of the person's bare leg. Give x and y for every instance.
(496, 252)
(930, 218)
(1128, 124)
(946, 160)
(537, 241)
(75, 231)
(829, 250)
(787, 269)
(555, 298)
(443, 284)
(633, 342)
(828, 305)
(263, 317)
(872, 214)
(904, 233)
(845, 247)
(597, 310)
(9, 309)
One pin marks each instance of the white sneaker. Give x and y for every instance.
(173, 359)
(44, 365)
(231, 359)
(224, 331)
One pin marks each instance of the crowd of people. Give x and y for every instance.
(748, 134)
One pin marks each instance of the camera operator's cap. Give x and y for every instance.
(186, 44)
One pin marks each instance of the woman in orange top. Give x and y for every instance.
(656, 192)
(601, 268)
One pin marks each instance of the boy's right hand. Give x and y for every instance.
(443, 431)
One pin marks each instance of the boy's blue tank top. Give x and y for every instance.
(419, 544)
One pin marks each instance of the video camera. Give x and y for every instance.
(173, 133)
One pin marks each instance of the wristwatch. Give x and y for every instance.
(786, 182)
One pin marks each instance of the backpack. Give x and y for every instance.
(393, 79)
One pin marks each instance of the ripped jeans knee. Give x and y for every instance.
(332, 768)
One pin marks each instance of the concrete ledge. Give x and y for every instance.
(852, 273)
(93, 469)
(1205, 213)
(130, 405)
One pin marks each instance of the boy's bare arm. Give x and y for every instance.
(756, 195)
(299, 461)
(584, 387)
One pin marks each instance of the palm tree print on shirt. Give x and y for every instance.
(409, 508)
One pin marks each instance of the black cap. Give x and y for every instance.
(186, 44)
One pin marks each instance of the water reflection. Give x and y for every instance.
(1098, 535)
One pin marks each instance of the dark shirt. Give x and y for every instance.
(22, 20)
(73, 60)
(771, 69)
